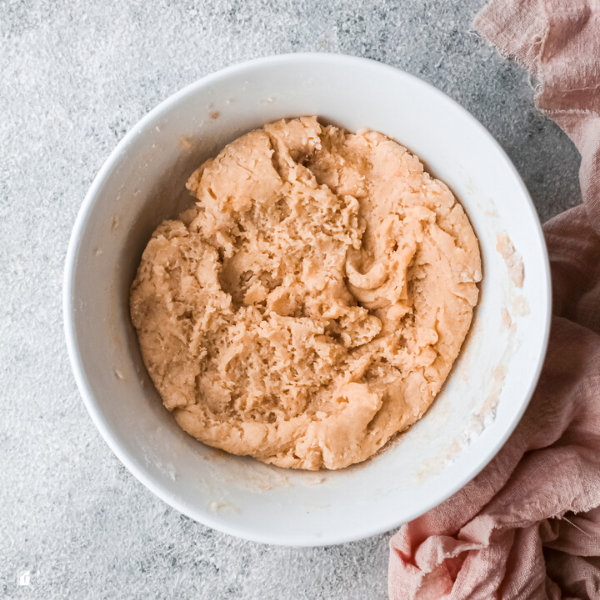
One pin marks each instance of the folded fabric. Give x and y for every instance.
(528, 526)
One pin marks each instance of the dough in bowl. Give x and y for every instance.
(312, 303)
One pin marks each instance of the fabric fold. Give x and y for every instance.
(528, 526)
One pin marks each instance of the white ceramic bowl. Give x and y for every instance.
(142, 183)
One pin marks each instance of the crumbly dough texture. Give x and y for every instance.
(310, 306)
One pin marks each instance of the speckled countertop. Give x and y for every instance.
(76, 75)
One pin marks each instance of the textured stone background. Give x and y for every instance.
(75, 76)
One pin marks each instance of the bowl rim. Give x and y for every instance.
(204, 516)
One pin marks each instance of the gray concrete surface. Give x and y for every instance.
(75, 76)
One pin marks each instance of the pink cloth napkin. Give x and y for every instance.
(529, 525)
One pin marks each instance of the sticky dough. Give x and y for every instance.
(311, 304)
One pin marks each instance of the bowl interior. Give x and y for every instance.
(143, 182)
